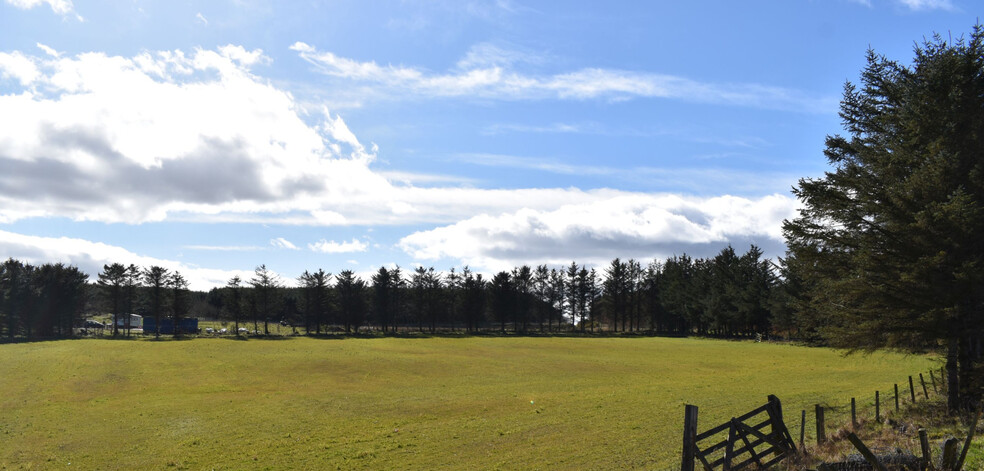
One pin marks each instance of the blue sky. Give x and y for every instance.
(211, 137)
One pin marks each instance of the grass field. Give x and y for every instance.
(397, 403)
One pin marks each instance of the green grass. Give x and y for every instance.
(397, 403)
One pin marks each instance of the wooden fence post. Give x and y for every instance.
(912, 390)
(950, 452)
(821, 430)
(923, 381)
(854, 414)
(927, 455)
(877, 408)
(689, 438)
(932, 378)
(896, 398)
(802, 427)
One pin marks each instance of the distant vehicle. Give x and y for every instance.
(91, 324)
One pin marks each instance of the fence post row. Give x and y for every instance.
(784, 443)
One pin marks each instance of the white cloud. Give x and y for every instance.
(555, 128)
(487, 73)
(918, 5)
(91, 256)
(201, 18)
(198, 137)
(224, 248)
(61, 7)
(692, 180)
(641, 226)
(330, 246)
(282, 243)
(411, 178)
(48, 50)
(116, 139)
(18, 66)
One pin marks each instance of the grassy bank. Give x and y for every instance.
(462, 403)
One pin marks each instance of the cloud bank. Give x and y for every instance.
(641, 226)
(201, 137)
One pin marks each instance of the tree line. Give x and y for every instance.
(55, 300)
(726, 295)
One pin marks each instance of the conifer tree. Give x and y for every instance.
(891, 238)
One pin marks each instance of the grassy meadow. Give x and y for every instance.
(401, 403)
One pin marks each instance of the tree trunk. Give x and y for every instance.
(952, 376)
(969, 393)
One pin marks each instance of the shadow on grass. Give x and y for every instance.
(416, 334)
(341, 335)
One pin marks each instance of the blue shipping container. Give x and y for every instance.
(187, 326)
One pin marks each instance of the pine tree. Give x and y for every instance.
(890, 238)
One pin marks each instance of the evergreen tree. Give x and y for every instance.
(890, 239)
(156, 278)
(352, 306)
(473, 300)
(234, 300)
(179, 305)
(385, 295)
(503, 298)
(265, 286)
(112, 280)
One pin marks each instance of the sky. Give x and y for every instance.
(213, 137)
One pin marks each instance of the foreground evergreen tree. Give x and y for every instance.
(891, 238)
